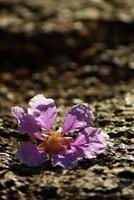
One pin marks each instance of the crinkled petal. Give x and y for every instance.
(26, 123)
(67, 160)
(17, 112)
(40, 102)
(79, 117)
(90, 142)
(46, 120)
(29, 154)
(44, 111)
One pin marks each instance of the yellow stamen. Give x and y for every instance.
(55, 143)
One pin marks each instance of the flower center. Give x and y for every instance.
(56, 143)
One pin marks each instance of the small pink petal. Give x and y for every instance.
(26, 123)
(67, 160)
(44, 111)
(90, 142)
(29, 154)
(78, 117)
(17, 112)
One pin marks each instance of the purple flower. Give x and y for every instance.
(73, 142)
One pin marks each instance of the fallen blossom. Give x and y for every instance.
(76, 140)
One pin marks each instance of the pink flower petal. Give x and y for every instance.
(90, 142)
(26, 122)
(29, 154)
(17, 112)
(79, 117)
(44, 111)
(67, 160)
(40, 102)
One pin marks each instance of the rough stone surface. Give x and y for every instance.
(72, 51)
